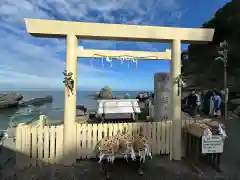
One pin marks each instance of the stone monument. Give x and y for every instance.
(162, 91)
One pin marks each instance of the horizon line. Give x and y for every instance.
(44, 89)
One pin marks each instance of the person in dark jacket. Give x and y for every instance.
(192, 100)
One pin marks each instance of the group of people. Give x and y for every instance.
(195, 101)
(143, 96)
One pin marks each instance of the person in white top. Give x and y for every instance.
(215, 103)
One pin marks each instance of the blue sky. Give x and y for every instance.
(34, 63)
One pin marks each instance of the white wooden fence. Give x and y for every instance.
(37, 145)
(44, 145)
(158, 133)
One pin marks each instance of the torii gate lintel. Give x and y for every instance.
(119, 32)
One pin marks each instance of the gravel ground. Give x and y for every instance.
(159, 168)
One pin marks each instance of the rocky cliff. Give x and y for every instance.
(199, 66)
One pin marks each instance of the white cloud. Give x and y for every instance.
(37, 63)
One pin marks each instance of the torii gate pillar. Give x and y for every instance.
(175, 114)
(69, 141)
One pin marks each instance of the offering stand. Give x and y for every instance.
(204, 143)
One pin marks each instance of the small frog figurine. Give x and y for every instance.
(68, 81)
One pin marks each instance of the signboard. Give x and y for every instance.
(212, 144)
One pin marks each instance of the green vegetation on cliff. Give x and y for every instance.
(199, 66)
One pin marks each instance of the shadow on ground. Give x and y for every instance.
(156, 168)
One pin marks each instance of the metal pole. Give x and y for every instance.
(226, 91)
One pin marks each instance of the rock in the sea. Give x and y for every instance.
(10, 96)
(106, 93)
(36, 101)
(9, 99)
(80, 112)
(8, 104)
(82, 108)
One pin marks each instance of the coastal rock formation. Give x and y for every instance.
(8, 104)
(81, 109)
(106, 93)
(9, 99)
(10, 96)
(36, 101)
(80, 112)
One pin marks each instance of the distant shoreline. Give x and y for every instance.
(50, 90)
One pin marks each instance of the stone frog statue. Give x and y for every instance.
(131, 146)
(107, 148)
(126, 144)
(141, 146)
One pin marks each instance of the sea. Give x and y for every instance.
(55, 110)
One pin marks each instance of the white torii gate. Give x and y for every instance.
(73, 31)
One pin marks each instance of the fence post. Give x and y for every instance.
(19, 147)
(42, 121)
